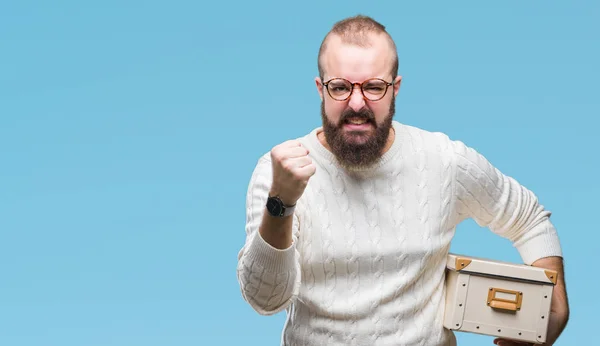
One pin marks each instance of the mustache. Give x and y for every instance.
(363, 113)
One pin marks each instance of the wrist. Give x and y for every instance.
(287, 201)
(278, 208)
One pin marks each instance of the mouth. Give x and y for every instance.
(356, 121)
(357, 124)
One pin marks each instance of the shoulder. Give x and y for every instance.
(434, 142)
(453, 151)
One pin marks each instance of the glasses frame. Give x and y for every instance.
(387, 86)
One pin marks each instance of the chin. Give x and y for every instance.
(357, 146)
(357, 137)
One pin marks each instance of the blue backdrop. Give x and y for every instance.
(129, 130)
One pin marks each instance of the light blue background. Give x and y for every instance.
(129, 130)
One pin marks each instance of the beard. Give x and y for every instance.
(354, 149)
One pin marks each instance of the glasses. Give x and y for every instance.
(373, 89)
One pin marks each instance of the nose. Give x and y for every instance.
(357, 100)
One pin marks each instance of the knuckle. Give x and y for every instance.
(298, 176)
(287, 165)
(275, 153)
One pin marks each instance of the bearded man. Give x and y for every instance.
(349, 227)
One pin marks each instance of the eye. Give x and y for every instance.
(338, 87)
(374, 87)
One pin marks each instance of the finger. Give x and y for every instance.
(291, 143)
(308, 170)
(505, 342)
(302, 161)
(282, 153)
(293, 152)
(293, 163)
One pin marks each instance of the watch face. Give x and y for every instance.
(274, 207)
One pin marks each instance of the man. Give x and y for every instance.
(348, 227)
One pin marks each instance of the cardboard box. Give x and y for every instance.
(497, 298)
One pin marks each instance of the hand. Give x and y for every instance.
(555, 327)
(505, 342)
(292, 168)
(559, 308)
(555, 324)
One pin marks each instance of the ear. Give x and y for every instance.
(397, 82)
(319, 87)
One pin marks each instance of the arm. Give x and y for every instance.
(268, 266)
(510, 210)
(559, 308)
(504, 206)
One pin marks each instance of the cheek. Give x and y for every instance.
(381, 110)
(334, 110)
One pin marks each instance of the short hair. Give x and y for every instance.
(355, 30)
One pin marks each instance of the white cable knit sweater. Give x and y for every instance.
(367, 262)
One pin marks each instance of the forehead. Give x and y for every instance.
(357, 63)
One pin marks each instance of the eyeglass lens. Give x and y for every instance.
(372, 89)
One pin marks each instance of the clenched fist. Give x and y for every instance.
(292, 168)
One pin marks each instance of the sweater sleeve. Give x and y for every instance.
(269, 278)
(500, 203)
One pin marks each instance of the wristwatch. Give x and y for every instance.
(277, 209)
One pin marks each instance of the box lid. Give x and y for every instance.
(485, 266)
